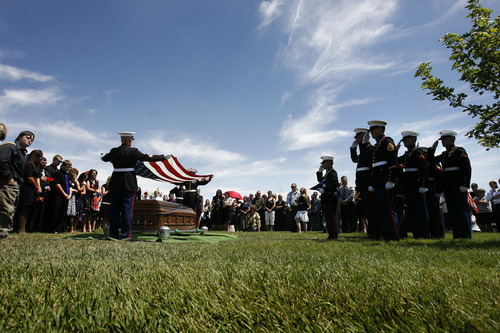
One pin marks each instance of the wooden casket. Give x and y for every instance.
(153, 214)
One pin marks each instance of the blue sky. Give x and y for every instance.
(251, 91)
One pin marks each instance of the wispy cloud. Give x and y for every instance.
(110, 93)
(11, 73)
(269, 11)
(329, 45)
(29, 97)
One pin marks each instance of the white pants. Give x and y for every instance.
(269, 217)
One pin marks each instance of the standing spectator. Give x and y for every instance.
(291, 200)
(205, 215)
(473, 190)
(199, 207)
(315, 214)
(258, 201)
(328, 185)
(456, 181)
(91, 200)
(244, 210)
(123, 184)
(30, 190)
(13, 161)
(303, 205)
(76, 209)
(280, 215)
(346, 198)
(36, 223)
(217, 210)
(483, 215)
(61, 193)
(494, 197)
(51, 169)
(269, 212)
(227, 209)
(105, 203)
(237, 214)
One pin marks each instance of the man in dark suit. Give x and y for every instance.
(123, 184)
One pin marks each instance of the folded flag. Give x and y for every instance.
(168, 170)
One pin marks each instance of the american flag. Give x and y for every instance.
(471, 202)
(168, 170)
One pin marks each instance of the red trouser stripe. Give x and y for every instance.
(131, 217)
(392, 216)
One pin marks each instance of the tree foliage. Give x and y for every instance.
(476, 56)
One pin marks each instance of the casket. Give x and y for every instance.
(154, 214)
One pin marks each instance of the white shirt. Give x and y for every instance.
(491, 194)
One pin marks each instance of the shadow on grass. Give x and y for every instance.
(487, 241)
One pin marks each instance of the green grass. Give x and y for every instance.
(268, 282)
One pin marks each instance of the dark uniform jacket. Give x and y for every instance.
(331, 183)
(414, 169)
(13, 161)
(384, 162)
(126, 157)
(456, 168)
(363, 168)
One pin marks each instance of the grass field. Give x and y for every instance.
(267, 282)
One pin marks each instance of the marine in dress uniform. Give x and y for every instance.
(456, 181)
(414, 185)
(382, 182)
(435, 185)
(123, 184)
(363, 170)
(328, 186)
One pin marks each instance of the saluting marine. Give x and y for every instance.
(328, 186)
(123, 184)
(363, 171)
(456, 181)
(383, 175)
(414, 185)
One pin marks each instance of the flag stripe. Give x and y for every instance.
(168, 170)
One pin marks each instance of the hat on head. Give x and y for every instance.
(406, 134)
(126, 134)
(446, 133)
(376, 123)
(3, 131)
(360, 130)
(326, 158)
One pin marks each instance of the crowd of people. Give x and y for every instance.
(417, 191)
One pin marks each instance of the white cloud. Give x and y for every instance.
(29, 97)
(196, 151)
(15, 74)
(269, 11)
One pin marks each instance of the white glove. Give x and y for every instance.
(371, 189)
(389, 185)
(463, 189)
(422, 190)
(320, 190)
(355, 144)
(102, 155)
(321, 168)
(434, 145)
(167, 156)
(366, 138)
